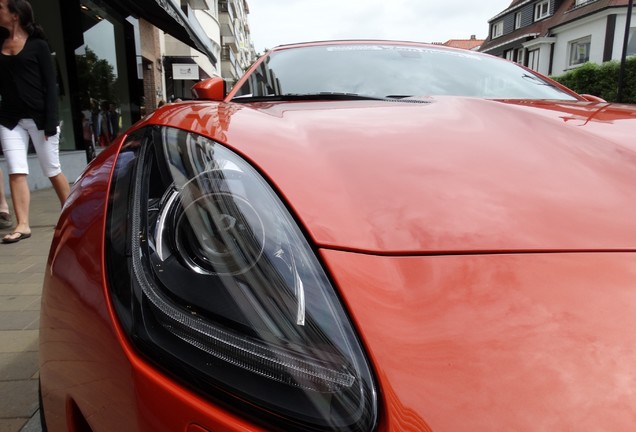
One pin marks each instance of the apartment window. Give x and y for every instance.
(541, 10)
(533, 60)
(517, 20)
(509, 55)
(497, 29)
(580, 51)
(631, 42)
(583, 2)
(519, 56)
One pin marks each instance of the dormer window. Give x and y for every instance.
(497, 29)
(541, 10)
(517, 20)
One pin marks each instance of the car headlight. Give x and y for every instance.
(213, 281)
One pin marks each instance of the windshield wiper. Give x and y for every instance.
(308, 96)
(536, 80)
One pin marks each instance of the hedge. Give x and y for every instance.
(602, 80)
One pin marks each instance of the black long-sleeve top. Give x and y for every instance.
(28, 87)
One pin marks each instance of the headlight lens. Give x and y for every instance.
(217, 284)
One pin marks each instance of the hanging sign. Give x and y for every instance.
(185, 71)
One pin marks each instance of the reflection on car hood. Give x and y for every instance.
(506, 342)
(453, 175)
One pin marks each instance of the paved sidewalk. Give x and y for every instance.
(22, 267)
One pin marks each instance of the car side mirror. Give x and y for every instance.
(592, 98)
(213, 89)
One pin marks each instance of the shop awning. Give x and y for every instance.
(167, 16)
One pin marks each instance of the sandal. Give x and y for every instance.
(21, 236)
(5, 220)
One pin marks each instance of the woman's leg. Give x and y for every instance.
(61, 186)
(47, 149)
(5, 217)
(4, 205)
(21, 197)
(14, 145)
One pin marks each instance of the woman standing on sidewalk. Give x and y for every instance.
(28, 109)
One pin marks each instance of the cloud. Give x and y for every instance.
(277, 22)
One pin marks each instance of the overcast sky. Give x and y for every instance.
(276, 22)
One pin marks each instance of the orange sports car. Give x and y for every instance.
(359, 236)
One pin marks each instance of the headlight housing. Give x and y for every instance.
(213, 281)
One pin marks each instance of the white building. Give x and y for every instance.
(224, 24)
(237, 52)
(554, 36)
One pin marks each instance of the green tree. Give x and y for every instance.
(96, 78)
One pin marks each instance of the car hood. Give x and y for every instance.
(497, 342)
(441, 175)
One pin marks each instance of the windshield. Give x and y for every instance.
(387, 70)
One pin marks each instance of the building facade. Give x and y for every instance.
(184, 65)
(225, 24)
(237, 51)
(554, 36)
(125, 56)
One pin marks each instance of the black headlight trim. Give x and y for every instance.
(179, 321)
(186, 324)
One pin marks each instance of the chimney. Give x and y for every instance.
(473, 37)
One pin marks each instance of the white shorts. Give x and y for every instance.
(15, 145)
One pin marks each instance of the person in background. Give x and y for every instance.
(87, 131)
(5, 217)
(113, 119)
(28, 109)
(103, 128)
(88, 136)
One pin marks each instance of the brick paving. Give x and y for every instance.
(22, 268)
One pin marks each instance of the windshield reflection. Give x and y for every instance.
(395, 71)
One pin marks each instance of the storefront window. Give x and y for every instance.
(48, 14)
(102, 76)
(93, 56)
(96, 47)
